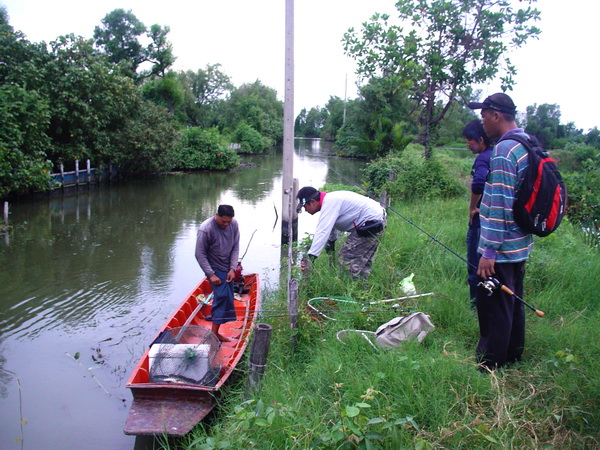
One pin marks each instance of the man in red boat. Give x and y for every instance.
(217, 251)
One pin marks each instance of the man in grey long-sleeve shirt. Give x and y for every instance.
(217, 252)
(361, 216)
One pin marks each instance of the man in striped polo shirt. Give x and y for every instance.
(504, 247)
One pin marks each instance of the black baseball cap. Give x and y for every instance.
(498, 102)
(306, 194)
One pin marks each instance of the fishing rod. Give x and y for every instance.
(490, 284)
(248, 246)
(239, 268)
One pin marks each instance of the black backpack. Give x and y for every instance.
(541, 201)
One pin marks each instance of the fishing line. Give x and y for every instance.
(490, 284)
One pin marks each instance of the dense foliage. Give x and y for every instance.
(205, 148)
(439, 49)
(412, 178)
(113, 100)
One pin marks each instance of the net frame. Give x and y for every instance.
(185, 354)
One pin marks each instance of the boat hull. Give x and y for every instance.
(173, 409)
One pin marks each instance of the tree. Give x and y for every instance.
(24, 112)
(335, 109)
(147, 140)
(311, 123)
(378, 122)
(257, 105)
(204, 90)
(160, 51)
(300, 123)
(440, 49)
(89, 100)
(166, 91)
(119, 37)
(24, 116)
(593, 138)
(543, 122)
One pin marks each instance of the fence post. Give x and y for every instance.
(6, 214)
(89, 172)
(258, 357)
(62, 175)
(76, 172)
(293, 309)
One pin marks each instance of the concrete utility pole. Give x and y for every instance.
(288, 191)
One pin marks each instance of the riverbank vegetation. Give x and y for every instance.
(114, 100)
(319, 392)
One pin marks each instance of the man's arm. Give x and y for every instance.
(201, 254)
(473, 208)
(324, 231)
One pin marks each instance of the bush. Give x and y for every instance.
(570, 158)
(24, 116)
(205, 149)
(250, 140)
(412, 179)
(145, 143)
(583, 190)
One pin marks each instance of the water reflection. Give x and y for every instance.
(99, 271)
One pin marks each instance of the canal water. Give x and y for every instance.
(88, 278)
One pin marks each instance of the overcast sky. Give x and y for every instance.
(247, 38)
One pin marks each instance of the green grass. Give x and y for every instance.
(321, 393)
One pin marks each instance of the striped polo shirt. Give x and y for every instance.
(501, 238)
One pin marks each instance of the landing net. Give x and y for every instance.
(185, 355)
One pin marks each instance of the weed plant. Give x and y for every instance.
(319, 392)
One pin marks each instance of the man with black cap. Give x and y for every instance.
(361, 216)
(504, 247)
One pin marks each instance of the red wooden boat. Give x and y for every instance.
(173, 406)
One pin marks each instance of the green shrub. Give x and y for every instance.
(583, 190)
(412, 179)
(572, 156)
(206, 149)
(250, 140)
(24, 116)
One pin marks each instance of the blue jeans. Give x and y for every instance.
(473, 258)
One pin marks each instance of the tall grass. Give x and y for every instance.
(322, 393)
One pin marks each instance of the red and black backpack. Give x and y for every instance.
(541, 200)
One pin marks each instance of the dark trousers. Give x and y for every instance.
(502, 318)
(473, 258)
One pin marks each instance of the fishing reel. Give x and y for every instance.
(490, 285)
(238, 270)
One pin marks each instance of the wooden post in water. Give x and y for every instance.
(62, 175)
(88, 169)
(5, 214)
(258, 357)
(288, 127)
(76, 172)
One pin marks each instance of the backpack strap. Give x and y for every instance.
(528, 141)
